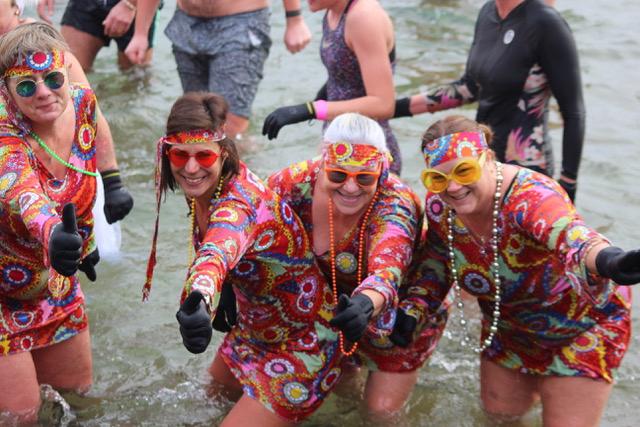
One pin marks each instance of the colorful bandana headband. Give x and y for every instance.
(198, 136)
(454, 146)
(35, 62)
(347, 154)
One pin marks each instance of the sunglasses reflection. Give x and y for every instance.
(27, 87)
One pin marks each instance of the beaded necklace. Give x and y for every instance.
(332, 254)
(192, 205)
(54, 155)
(495, 269)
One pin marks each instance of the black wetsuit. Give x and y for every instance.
(514, 66)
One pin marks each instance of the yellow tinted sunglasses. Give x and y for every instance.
(465, 172)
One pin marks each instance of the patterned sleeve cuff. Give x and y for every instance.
(375, 283)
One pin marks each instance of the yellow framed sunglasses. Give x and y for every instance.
(465, 172)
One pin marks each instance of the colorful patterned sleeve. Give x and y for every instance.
(228, 237)
(427, 295)
(283, 181)
(455, 94)
(21, 193)
(86, 103)
(544, 213)
(452, 95)
(394, 224)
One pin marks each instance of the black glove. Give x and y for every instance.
(226, 314)
(65, 244)
(570, 188)
(353, 315)
(402, 108)
(88, 265)
(620, 266)
(117, 199)
(195, 323)
(286, 116)
(322, 93)
(402, 333)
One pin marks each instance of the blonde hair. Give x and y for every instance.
(356, 129)
(28, 38)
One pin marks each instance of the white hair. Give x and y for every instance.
(356, 129)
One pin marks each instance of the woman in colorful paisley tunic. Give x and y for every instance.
(363, 222)
(282, 353)
(47, 161)
(522, 53)
(555, 322)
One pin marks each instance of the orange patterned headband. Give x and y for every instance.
(35, 62)
(198, 136)
(347, 154)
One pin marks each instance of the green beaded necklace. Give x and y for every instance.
(58, 158)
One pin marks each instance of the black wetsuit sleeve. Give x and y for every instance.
(559, 60)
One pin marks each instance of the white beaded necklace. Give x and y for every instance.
(495, 269)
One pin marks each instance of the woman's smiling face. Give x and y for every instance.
(50, 98)
(196, 179)
(467, 199)
(349, 196)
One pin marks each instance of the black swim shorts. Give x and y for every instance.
(87, 16)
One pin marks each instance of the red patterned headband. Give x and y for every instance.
(347, 154)
(453, 146)
(198, 136)
(35, 62)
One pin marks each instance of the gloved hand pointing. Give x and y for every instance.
(195, 323)
(405, 325)
(65, 244)
(353, 315)
(620, 266)
(226, 313)
(88, 265)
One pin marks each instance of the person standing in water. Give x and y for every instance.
(358, 51)
(221, 47)
(522, 53)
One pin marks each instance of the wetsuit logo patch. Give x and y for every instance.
(508, 36)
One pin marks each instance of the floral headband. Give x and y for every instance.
(348, 154)
(198, 136)
(453, 146)
(35, 62)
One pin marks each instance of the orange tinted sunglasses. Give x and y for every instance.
(179, 158)
(363, 178)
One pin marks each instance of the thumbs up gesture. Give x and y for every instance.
(195, 323)
(65, 244)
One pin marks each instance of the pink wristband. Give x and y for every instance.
(322, 109)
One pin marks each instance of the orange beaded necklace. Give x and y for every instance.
(332, 254)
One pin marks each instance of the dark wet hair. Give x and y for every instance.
(454, 124)
(193, 111)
